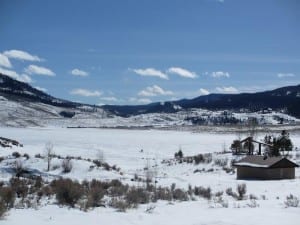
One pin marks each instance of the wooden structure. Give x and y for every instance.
(265, 168)
(249, 145)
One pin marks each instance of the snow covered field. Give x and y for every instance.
(131, 150)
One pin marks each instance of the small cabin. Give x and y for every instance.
(265, 168)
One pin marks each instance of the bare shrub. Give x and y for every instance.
(150, 209)
(38, 156)
(173, 186)
(263, 197)
(219, 193)
(115, 183)
(203, 192)
(67, 165)
(106, 166)
(46, 191)
(222, 162)
(16, 154)
(253, 204)
(7, 196)
(163, 194)
(203, 158)
(207, 157)
(19, 167)
(241, 190)
(218, 200)
(67, 192)
(25, 155)
(120, 204)
(94, 196)
(179, 194)
(97, 162)
(291, 201)
(198, 159)
(252, 196)
(137, 196)
(3, 209)
(228, 169)
(49, 154)
(117, 191)
(179, 154)
(230, 192)
(20, 186)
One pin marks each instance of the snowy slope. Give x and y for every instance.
(29, 114)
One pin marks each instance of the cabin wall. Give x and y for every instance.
(265, 173)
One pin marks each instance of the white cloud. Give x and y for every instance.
(221, 1)
(227, 90)
(109, 99)
(85, 92)
(22, 55)
(4, 61)
(203, 91)
(9, 73)
(283, 75)
(78, 72)
(41, 89)
(151, 72)
(219, 74)
(140, 100)
(182, 72)
(154, 91)
(23, 77)
(33, 69)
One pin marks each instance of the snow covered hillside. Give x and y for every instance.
(22, 105)
(133, 150)
(35, 114)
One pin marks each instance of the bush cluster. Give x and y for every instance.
(67, 191)
(241, 191)
(291, 201)
(222, 162)
(203, 192)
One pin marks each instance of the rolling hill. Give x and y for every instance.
(24, 105)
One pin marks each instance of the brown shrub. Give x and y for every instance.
(137, 196)
(203, 192)
(179, 194)
(67, 192)
(7, 196)
(67, 165)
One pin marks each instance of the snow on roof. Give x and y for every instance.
(261, 161)
(251, 165)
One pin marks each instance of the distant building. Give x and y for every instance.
(265, 168)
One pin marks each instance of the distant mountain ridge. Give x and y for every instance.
(287, 98)
(20, 91)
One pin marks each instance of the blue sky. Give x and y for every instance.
(142, 51)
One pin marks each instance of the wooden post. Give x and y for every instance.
(259, 149)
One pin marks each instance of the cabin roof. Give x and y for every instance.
(265, 162)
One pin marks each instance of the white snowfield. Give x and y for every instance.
(131, 150)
